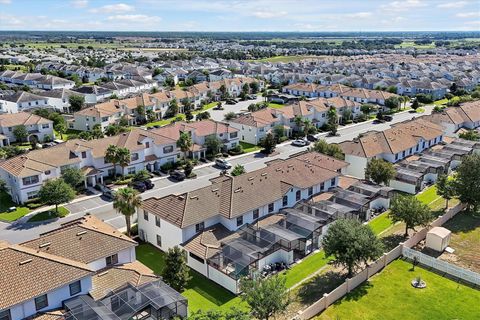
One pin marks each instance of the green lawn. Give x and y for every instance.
(275, 105)
(67, 134)
(49, 214)
(380, 223)
(5, 203)
(15, 67)
(308, 266)
(428, 195)
(389, 295)
(441, 102)
(164, 122)
(248, 147)
(201, 292)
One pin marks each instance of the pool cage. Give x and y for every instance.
(242, 256)
(154, 300)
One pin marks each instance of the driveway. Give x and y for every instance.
(240, 106)
(164, 186)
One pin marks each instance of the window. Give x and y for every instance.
(332, 182)
(84, 154)
(396, 156)
(167, 149)
(298, 195)
(41, 302)
(134, 157)
(32, 195)
(45, 126)
(271, 207)
(255, 214)
(239, 221)
(75, 288)
(403, 154)
(199, 226)
(5, 315)
(157, 221)
(111, 172)
(147, 144)
(131, 170)
(233, 135)
(285, 201)
(159, 240)
(47, 172)
(310, 191)
(112, 260)
(145, 215)
(30, 180)
(322, 186)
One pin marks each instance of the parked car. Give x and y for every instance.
(177, 175)
(106, 191)
(299, 143)
(252, 97)
(148, 184)
(378, 121)
(231, 101)
(139, 186)
(223, 164)
(387, 118)
(311, 138)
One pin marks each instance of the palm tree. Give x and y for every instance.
(298, 122)
(307, 124)
(184, 143)
(123, 158)
(126, 201)
(111, 156)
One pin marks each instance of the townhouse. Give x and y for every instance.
(230, 204)
(58, 99)
(84, 269)
(38, 128)
(22, 101)
(35, 80)
(394, 144)
(466, 116)
(25, 174)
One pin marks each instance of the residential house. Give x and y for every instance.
(466, 116)
(22, 101)
(38, 128)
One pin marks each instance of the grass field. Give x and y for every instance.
(66, 135)
(275, 105)
(465, 239)
(5, 203)
(248, 147)
(411, 44)
(49, 214)
(15, 67)
(389, 295)
(308, 266)
(202, 294)
(380, 223)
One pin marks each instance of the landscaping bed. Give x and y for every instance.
(49, 214)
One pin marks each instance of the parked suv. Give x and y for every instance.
(139, 186)
(177, 175)
(223, 164)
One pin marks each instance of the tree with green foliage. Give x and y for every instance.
(73, 176)
(55, 192)
(61, 128)
(111, 156)
(97, 132)
(411, 211)
(213, 144)
(415, 105)
(76, 102)
(351, 243)
(111, 130)
(188, 168)
(471, 135)
(141, 175)
(392, 103)
(124, 158)
(268, 143)
(231, 314)
(229, 116)
(126, 201)
(202, 116)
(467, 178)
(332, 150)
(185, 143)
(176, 272)
(367, 109)
(266, 297)
(254, 87)
(172, 109)
(238, 170)
(332, 121)
(3, 185)
(279, 132)
(380, 171)
(445, 188)
(151, 117)
(20, 133)
(85, 135)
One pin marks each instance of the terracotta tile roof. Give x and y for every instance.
(21, 118)
(106, 281)
(28, 273)
(232, 196)
(86, 240)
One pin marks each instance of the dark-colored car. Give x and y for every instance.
(231, 101)
(148, 184)
(177, 175)
(139, 186)
(311, 138)
(387, 118)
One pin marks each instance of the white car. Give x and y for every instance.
(299, 143)
(222, 163)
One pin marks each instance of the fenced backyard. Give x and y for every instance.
(351, 283)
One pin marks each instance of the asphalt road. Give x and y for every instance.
(103, 209)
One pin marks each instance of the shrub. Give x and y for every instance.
(166, 167)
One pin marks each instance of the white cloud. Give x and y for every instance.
(79, 3)
(268, 14)
(10, 21)
(359, 15)
(467, 15)
(137, 18)
(452, 5)
(114, 8)
(403, 5)
(5, 1)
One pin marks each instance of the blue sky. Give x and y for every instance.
(240, 15)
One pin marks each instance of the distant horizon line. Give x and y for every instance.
(257, 31)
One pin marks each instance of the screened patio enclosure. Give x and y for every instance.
(155, 300)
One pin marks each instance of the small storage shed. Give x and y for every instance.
(438, 238)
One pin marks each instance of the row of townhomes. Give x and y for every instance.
(255, 125)
(359, 95)
(38, 128)
(35, 80)
(150, 149)
(85, 269)
(112, 111)
(278, 214)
